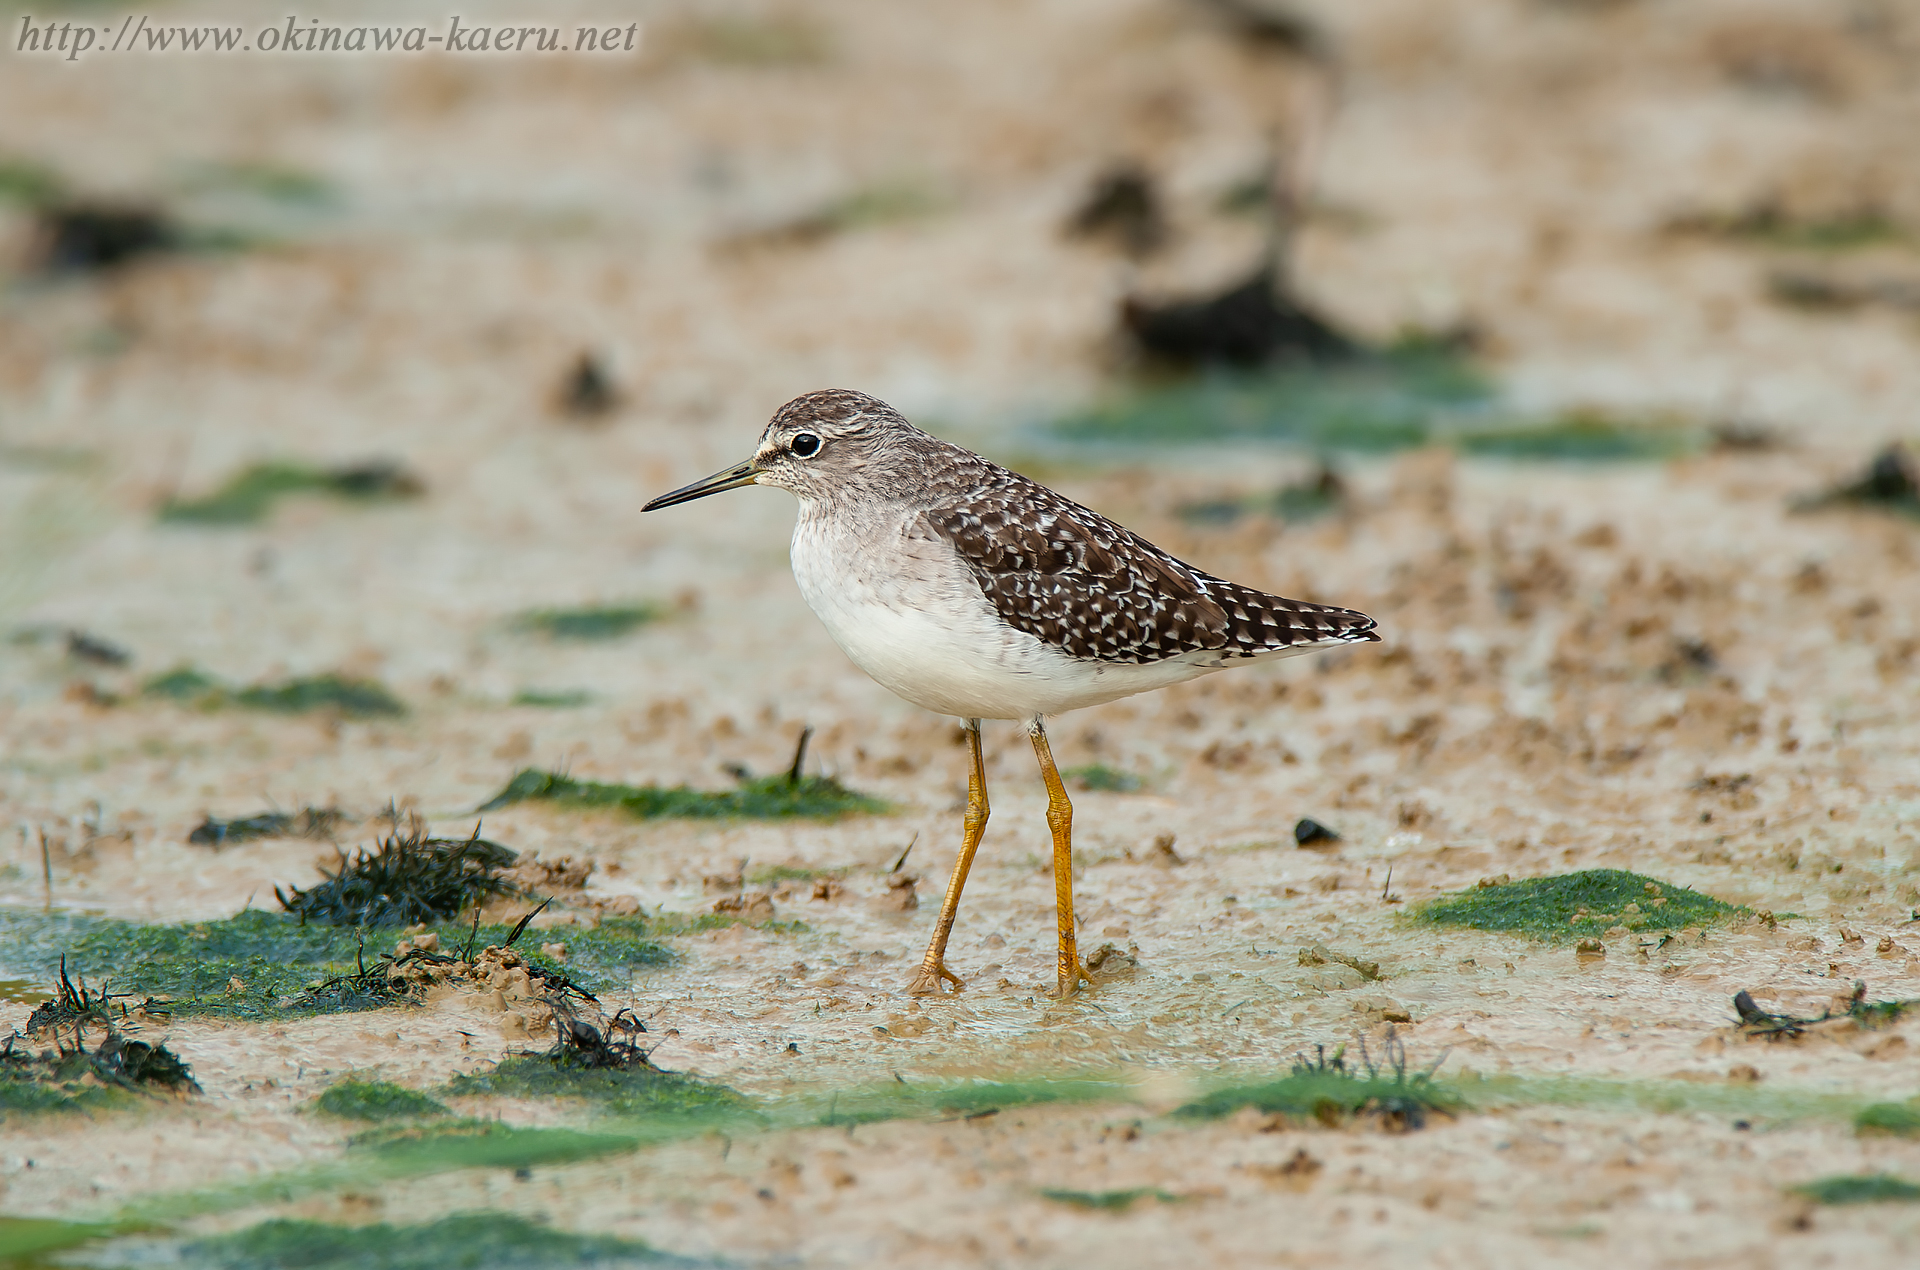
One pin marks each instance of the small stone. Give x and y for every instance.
(1590, 947)
(1311, 833)
(900, 896)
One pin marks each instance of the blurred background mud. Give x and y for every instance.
(1574, 339)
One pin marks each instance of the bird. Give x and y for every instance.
(975, 592)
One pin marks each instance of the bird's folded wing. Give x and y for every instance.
(1093, 589)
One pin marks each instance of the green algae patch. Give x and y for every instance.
(968, 1100)
(1581, 436)
(355, 698)
(1893, 1119)
(639, 1092)
(1331, 1092)
(63, 1084)
(599, 958)
(251, 966)
(34, 1237)
(482, 1144)
(665, 924)
(758, 798)
(1756, 1103)
(1767, 224)
(1108, 1201)
(1100, 779)
(260, 965)
(1864, 1188)
(249, 495)
(1392, 400)
(378, 1100)
(340, 694)
(591, 623)
(1575, 905)
(559, 699)
(499, 1241)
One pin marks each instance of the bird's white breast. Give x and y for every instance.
(902, 605)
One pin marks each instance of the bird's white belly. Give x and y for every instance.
(907, 612)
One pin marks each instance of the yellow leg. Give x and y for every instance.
(1060, 820)
(933, 967)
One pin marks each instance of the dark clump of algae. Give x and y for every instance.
(53, 1068)
(599, 1059)
(757, 798)
(493, 1241)
(406, 878)
(790, 794)
(1572, 905)
(352, 698)
(1329, 1090)
(63, 1084)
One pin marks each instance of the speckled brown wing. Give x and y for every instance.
(1095, 590)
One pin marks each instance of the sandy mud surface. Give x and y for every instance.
(1669, 667)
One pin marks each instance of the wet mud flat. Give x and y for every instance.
(407, 847)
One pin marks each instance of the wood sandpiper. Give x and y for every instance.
(972, 591)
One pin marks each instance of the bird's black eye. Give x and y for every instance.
(806, 445)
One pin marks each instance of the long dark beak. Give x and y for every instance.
(733, 478)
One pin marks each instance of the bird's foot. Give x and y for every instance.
(1070, 980)
(932, 980)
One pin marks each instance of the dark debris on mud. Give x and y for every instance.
(74, 1074)
(1756, 1022)
(408, 878)
(308, 822)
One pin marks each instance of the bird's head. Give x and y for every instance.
(815, 446)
